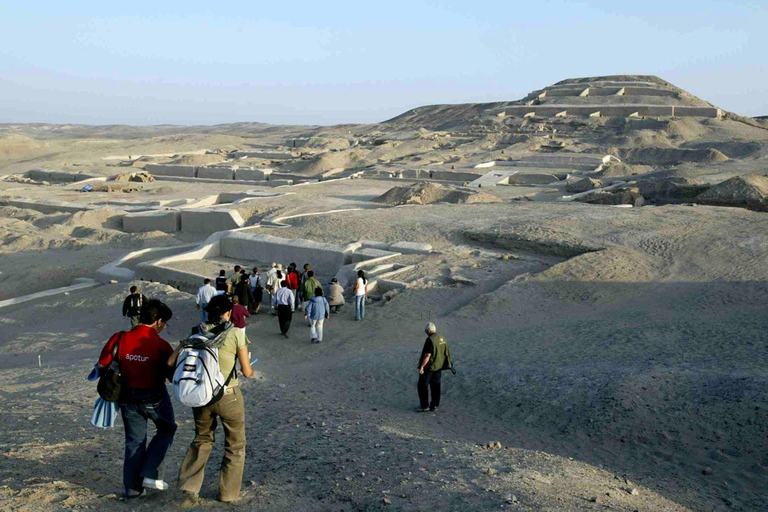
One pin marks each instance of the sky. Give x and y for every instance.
(309, 62)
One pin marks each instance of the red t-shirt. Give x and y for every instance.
(143, 357)
(238, 315)
(293, 280)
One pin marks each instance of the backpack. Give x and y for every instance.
(197, 380)
(135, 308)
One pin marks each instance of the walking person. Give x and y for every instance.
(310, 285)
(435, 357)
(271, 275)
(257, 290)
(229, 409)
(283, 302)
(204, 295)
(361, 293)
(132, 305)
(221, 282)
(316, 310)
(293, 278)
(242, 291)
(142, 355)
(239, 314)
(234, 278)
(277, 285)
(335, 296)
(303, 279)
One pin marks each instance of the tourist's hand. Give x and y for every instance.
(421, 371)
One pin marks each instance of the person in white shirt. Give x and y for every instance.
(204, 295)
(272, 285)
(360, 295)
(283, 301)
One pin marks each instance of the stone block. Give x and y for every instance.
(168, 221)
(216, 173)
(373, 244)
(252, 174)
(184, 171)
(209, 220)
(326, 259)
(411, 248)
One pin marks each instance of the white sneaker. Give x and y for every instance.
(159, 485)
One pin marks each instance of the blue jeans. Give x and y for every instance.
(359, 307)
(205, 313)
(142, 461)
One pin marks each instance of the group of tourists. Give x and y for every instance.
(145, 361)
(288, 290)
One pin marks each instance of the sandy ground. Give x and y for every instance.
(625, 360)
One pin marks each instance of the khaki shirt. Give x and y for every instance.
(234, 341)
(233, 280)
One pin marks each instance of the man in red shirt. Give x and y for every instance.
(143, 359)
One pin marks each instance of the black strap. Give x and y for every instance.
(232, 373)
(116, 350)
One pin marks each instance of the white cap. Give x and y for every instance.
(430, 327)
(274, 265)
(279, 266)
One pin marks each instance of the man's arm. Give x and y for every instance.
(105, 358)
(424, 362)
(125, 305)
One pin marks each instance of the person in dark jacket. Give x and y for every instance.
(132, 306)
(435, 357)
(221, 282)
(243, 291)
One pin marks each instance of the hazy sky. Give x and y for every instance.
(310, 62)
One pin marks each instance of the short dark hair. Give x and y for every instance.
(222, 272)
(255, 269)
(311, 273)
(237, 268)
(154, 310)
(219, 305)
(284, 283)
(134, 289)
(306, 266)
(243, 277)
(206, 281)
(318, 292)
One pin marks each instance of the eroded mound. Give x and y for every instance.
(749, 192)
(429, 193)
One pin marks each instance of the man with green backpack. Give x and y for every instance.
(435, 357)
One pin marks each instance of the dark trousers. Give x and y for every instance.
(284, 316)
(142, 461)
(429, 382)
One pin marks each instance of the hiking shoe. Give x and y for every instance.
(129, 497)
(313, 340)
(433, 409)
(422, 409)
(285, 334)
(159, 485)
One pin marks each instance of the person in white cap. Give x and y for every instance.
(435, 357)
(272, 282)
